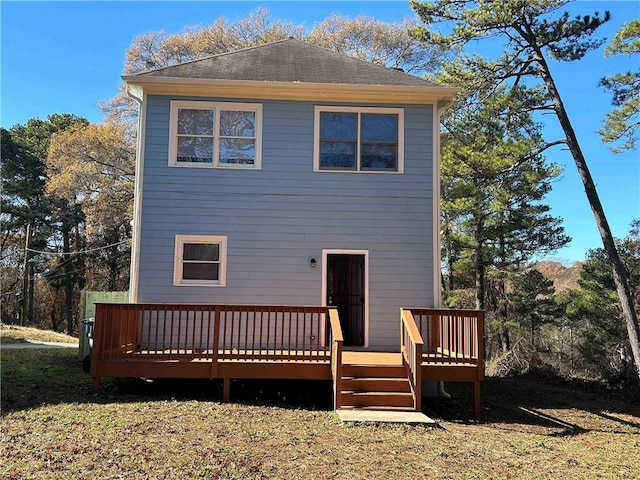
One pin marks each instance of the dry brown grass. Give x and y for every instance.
(54, 426)
(18, 334)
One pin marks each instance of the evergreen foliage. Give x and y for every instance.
(622, 123)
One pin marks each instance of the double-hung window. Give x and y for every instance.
(359, 139)
(200, 260)
(215, 134)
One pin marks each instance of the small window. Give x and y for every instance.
(209, 134)
(359, 139)
(200, 260)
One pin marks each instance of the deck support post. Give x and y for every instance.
(476, 398)
(226, 387)
(96, 384)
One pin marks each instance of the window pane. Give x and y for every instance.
(337, 155)
(338, 126)
(200, 271)
(379, 128)
(195, 121)
(376, 155)
(237, 151)
(195, 149)
(201, 251)
(237, 124)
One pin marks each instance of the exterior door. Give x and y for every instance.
(346, 291)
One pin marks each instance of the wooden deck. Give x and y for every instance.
(371, 358)
(288, 342)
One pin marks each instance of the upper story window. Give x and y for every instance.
(359, 139)
(215, 134)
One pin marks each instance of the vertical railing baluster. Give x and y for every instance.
(192, 323)
(238, 343)
(319, 341)
(246, 331)
(450, 333)
(253, 334)
(223, 331)
(445, 334)
(469, 335)
(179, 340)
(232, 327)
(162, 332)
(205, 349)
(297, 312)
(118, 334)
(260, 352)
(269, 336)
(282, 329)
(200, 349)
(171, 332)
(304, 334)
(155, 333)
(111, 338)
(107, 319)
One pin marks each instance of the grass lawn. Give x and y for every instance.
(18, 334)
(55, 426)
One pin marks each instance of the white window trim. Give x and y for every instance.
(342, 109)
(216, 106)
(178, 281)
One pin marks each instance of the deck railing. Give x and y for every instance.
(451, 335)
(336, 357)
(213, 332)
(411, 345)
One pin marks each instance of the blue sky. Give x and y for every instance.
(66, 56)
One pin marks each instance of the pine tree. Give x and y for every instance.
(622, 123)
(534, 33)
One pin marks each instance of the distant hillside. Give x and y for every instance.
(563, 277)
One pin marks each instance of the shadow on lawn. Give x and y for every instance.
(40, 377)
(32, 378)
(547, 407)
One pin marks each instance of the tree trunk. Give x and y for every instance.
(506, 340)
(31, 296)
(619, 276)
(446, 238)
(68, 280)
(113, 267)
(480, 267)
(24, 311)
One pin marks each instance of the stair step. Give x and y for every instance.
(377, 399)
(374, 371)
(360, 384)
(379, 408)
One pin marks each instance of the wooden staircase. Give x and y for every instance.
(376, 387)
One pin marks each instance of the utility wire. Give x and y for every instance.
(49, 276)
(78, 252)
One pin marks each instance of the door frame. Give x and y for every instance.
(365, 254)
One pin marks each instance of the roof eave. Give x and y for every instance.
(292, 90)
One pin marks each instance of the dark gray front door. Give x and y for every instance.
(345, 290)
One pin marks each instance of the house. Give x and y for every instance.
(285, 175)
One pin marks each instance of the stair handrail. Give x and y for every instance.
(411, 346)
(336, 356)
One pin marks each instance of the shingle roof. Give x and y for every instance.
(288, 61)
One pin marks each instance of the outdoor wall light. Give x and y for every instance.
(312, 263)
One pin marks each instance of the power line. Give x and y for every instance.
(49, 276)
(78, 252)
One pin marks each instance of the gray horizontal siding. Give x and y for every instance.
(279, 217)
